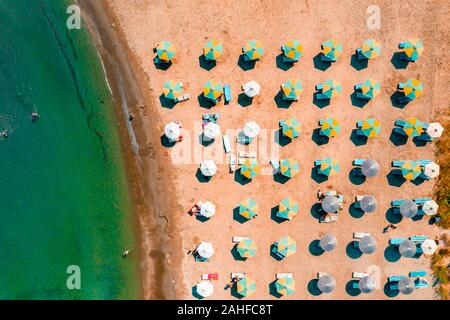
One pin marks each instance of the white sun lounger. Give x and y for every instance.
(205, 276)
(321, 274)
(328, 219)
(360, 235)
(283, 275)
(226, 143)
(232, 163)
(243, 154)
(237, 239)
(240, 160)
(360, 197)
(359, 275)
(183, 97)
(238, 275)
(275, 165)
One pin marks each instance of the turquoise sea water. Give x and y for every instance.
(63, 192)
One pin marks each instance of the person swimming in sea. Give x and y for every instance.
(34, 116)
(126, 253)
(4, 134)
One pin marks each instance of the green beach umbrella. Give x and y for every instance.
(293, 49)
(172, 89)
(288, 209)
(248, 208)
(289, 167)
(371, 127)
(413, 49)
(370, 88)
(332, 49)
(291, 128)
(165, 50)
(412, 89)
(411, 170)
(331, 88)
(212, 90)
(371, 48)
(285, 247)
(330, 127)
(246, 287)
(253, 49)
(292, 89)
(329, 167)
(413, 127)
(212, 49)
(250, 168)
(247, 248)
(285, 286)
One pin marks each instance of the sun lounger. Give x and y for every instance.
(396, 241)
(321, 274)
(210, 276)
(283, 275)
(398, 163)
(275, 165)
(359, 235)
(243, 154)
(227, 93)
(358, 162)
(239, 275)
(326, 59)
(328, 219)
(317, 163)
(319, 86)
(237, 239)
(232, 163)
(421, 201)
(424, 162)
(331, 193)
(414, 274)
(395, 278)
(183, 97)
(397, 203)
(281, 123)
(240, 161)
(421, 283)
(226, 143)
(418, 239)
(359, 124)
(359, 275)
(355, 285)
(425, 137)
(210, 117)
(243, 139)
(393, 287)
(400, 123)
(360, 197)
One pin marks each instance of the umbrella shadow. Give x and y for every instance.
(393, 217)
(204, 102)
(285, 66)
(237, 217)
(206, 64)
(356, 177)
(273, 290)
(274, 217)
(280, 102)
(201, 178)
(318, 177)
(313, 287)
(395, 100)
(319, 64)
(358, 140)
(391, 253)
(204, 141)
(201, 218)
(320, 103)
(195, 294)
(398, 62)
(278, 177)
(236, 255)
(352, 250)
(388, 292)
(244, 100)
(315, 249)
(397, 139)
(241, 179)
(418, 181)
(162, 66)
(235, 293)
(246, 65)
(318, 139)
(394, 179)
(166, 142)
(166, 103)
(419, 142)
(316, 210)
(360, 103)
(355, 212)
(358, 64)
(281, 139)
(273, 254)
(351, 291)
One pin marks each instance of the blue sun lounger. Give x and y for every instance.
(358, 162)
(395, 278)
(325, 58)
(398, 163)
(400, 123)
(355, 285)
(414, 274)
(317, 163)
(421, 283)
(396, 241)
(418, 239)
(227, 93)
(359, 124)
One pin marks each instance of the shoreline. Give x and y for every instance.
(123, 76)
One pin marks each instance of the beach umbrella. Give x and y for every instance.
(330, 127)
(248, 208)
(431, 170)
(291, 128)
(246, 287)
(370, 168)
(288, 208)
(371, 48)
(331, 88)
(326, 284)
(328, 242)
(204, 288)
(292, 89)
(406, 285)
(247, 248)
(212, 90)
(332, 49)
(370, 88)
(367, 244)
(411, 170)
(407, 248)
(293, 50)
(205, 250)
(412, 89)
(430, 207)
(250, 168)
(251, 89)
(212, 49)
(413, 49)
(413, 127)
(207, 209)
(367, 284)
(368, 204)
(329, 167)
(208, 168)
(371, 127)
(172, 89)
(211, 130)
(285, 247)
(251, 129)
(172, 131)
(253, 49)
(429, 246)
(330, 204)
(289, 167)
(435, 130)
(408, 208)
(165, 50)
(285, 286)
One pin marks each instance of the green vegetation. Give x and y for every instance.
(443, 182)
(439, 265)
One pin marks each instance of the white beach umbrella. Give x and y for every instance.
(429, 246)
(328, 242)
(408, 209)
(330, 204)
(406, 285)
(252, 89)
(251, 129)
(208, 168)
(407, 248)
(368, 204)
(204, 288)
(430, 207)
(211, 130)
(370, 168)
(367, 284)
(172, 130)
(367, 244)
(431, 170)
(326, 284)
(208, 209)
(435, 130)
(205, 250)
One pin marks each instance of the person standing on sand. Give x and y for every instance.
(126, 253)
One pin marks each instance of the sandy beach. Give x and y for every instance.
(167, 187)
